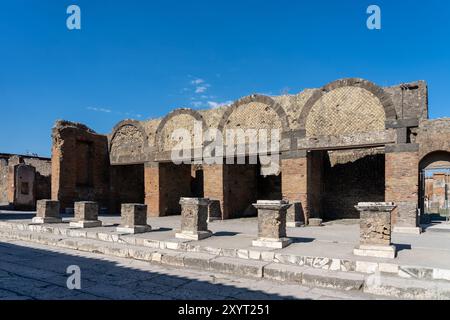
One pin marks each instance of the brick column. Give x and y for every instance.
(402, 186)
(152, 189)
(294, 183)
(214, 187)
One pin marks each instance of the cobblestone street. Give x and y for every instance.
(39, 272)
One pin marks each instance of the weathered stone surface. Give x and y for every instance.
(294, 216)
(47, 211)
(86, 215)
(375, 230)
(194, 216)
(271, 224)
(134, 218)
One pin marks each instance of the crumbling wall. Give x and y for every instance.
(80, 165)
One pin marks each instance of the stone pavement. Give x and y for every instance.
(37, 272)
(319, 256)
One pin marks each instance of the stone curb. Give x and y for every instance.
(385, 286)
(270, 256)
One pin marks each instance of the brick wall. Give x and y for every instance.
(347, 184)
(127, 185)
(165, 184)
(402, 178)
(80, 165)
(294, 184)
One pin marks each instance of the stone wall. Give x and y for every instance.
(80, 165)
(3, 181)
(346, 184)
(42, 179)
(127, 185)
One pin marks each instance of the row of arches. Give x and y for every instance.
(343, 106)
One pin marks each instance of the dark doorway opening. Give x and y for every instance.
(345, 178)
(127, 185)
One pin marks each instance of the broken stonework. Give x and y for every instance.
(86, 215)
(194, 216)
(375, 230)
(47, 211)
(272, 224)
(134, 218)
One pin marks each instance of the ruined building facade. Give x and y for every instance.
(347, 142)
(23, 180)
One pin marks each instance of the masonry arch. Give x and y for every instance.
(435, 185)
(179, 118)
(128, 152)
(347, 106)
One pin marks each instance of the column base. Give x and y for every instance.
(40, 220)
(134, 230)
(389, 252)
(190, 235)
(408, 230)
(85, 224)
(272, 243)
(295, 224)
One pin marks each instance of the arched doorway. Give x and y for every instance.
(435, 186)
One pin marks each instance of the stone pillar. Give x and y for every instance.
(214, 186)
(133, 219)
(294, 184)
(402, 186)
(194, 216)
(47, 211)
(294, 216)
(375, 230)
(86, 215)
(272, 224)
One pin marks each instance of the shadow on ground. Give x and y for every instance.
(37, 274)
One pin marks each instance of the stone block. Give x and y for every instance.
(294, 215)
(47, 211)
(375, 230)
(86, 215)
(194, 219)
(214, 211)
(271, 224)
(133, 219)
(315, 222)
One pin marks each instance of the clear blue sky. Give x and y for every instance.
(140, 59)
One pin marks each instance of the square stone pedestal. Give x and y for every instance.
(134, 219)
(375, 230)
(194, 216)
(47, 211)
(86, 215)
(294, 216)
(272, 224)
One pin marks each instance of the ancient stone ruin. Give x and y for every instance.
(350, 141)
